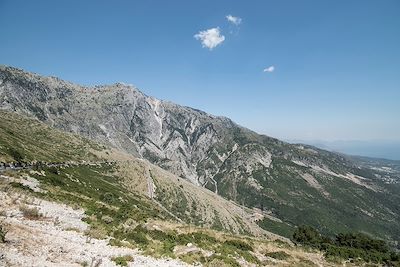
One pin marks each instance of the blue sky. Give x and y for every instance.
(336, 63)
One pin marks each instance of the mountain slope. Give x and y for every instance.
(299, 184)
(97, 206)
(28, 140)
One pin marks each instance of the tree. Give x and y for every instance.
(307, 235)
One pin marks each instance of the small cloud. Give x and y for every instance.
(269, 69)
(234, 20)
(210, 38)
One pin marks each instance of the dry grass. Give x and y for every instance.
(30, 213)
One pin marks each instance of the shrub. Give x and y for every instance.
(122, 260)
(107, 197)
(168, 247)
(137, 237)
(279, 255)
(239, 244)
(2, 234)
(21, 186)
(53, 170)
(30, 213)
(17, 156)
(307, 235)
(361, 241)
(201, 239)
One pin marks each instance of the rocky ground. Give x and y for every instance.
(56, 237)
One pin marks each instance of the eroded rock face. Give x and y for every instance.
(176, 138)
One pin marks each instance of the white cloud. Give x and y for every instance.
(234, 20)
(210, 38)
(269, 69)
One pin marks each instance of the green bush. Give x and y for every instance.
(361, 241)
(307, 235)
(21, 186)
(137, 237)
(199, 238)
(122, 260)
(168, 247)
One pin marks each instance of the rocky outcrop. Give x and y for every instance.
(172, 136)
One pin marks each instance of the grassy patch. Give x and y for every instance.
(279, 255)
(193, 258)
(222, 260)
(239, 244)
(48, 144)
(21, 186)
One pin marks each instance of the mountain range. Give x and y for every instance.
(289, 184)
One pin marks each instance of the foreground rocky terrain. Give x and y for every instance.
(57, 238)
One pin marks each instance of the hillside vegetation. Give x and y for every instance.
(24, 139)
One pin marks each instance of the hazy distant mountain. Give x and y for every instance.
(372, 148)
(300, 184)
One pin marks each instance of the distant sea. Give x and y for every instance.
(374, 148)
